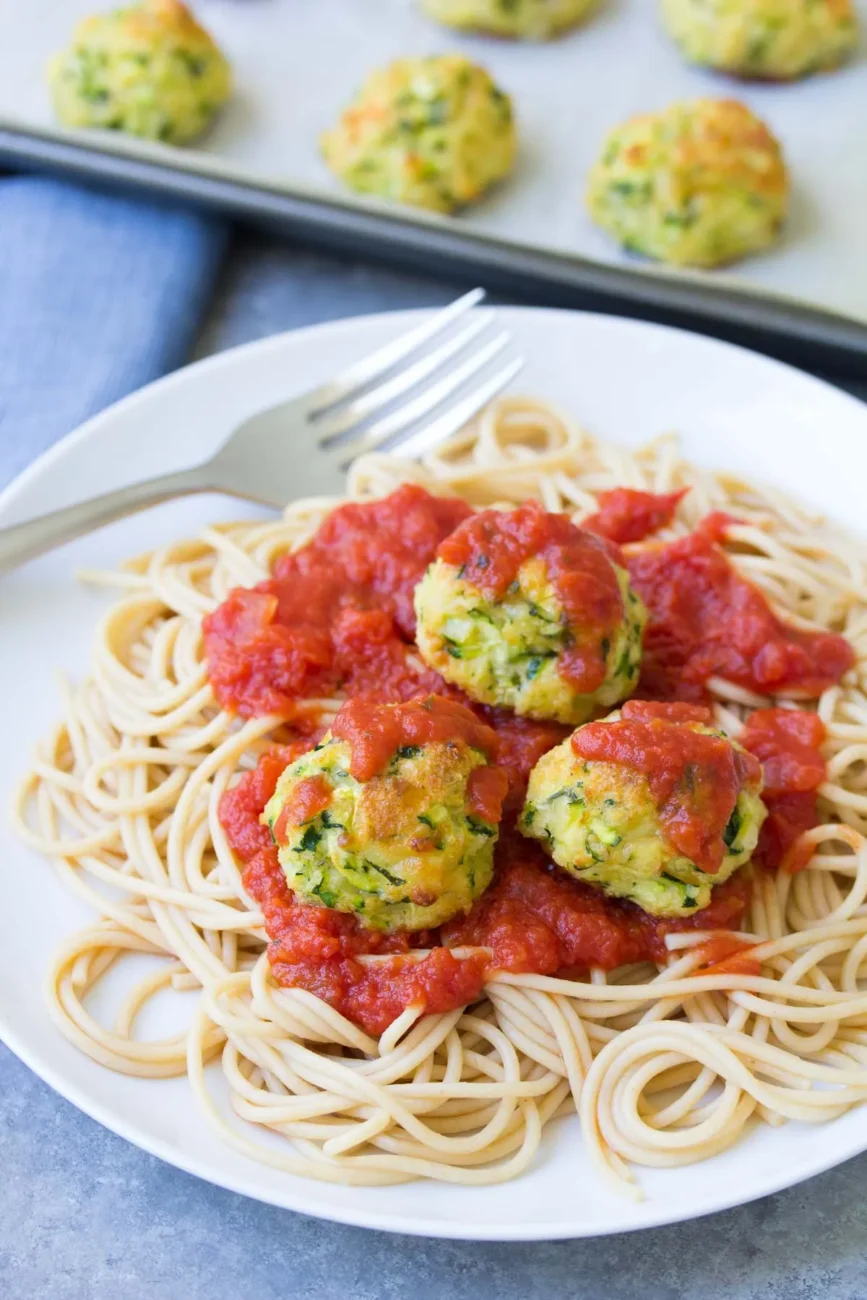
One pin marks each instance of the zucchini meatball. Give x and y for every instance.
(653, 804)
(699, 184)
(433, 132)
(394, 815)
(532, 20)
(148, 69)
(773, 39)
(524, 610)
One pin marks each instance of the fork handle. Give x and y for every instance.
(22, 542)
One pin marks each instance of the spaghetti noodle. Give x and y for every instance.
(666, 1062)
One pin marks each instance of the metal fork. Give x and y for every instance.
(407, 396)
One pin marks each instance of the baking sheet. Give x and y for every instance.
(298, 61)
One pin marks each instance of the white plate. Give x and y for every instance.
(626, 381)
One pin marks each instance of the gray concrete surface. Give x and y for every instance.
(85, 1216)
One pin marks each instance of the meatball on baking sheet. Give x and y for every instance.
(561, 77)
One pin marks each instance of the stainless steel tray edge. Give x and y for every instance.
(772, 323)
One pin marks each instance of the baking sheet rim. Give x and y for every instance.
(717, 296)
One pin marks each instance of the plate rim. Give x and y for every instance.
(214, 360)
(357, 1215)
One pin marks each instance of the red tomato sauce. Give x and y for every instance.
(706, 621)
(538, 919)
(335, 614)
(695, 779)
(375, 732)
(787, 742)
(522, 742)
(241, 807)
(490, 548)
(726, 954)
(310, 796)
(318, 949)
(486, 790)
(628, 515)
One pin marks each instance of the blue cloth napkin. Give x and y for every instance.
(98, 295)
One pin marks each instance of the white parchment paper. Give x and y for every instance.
(298, 61)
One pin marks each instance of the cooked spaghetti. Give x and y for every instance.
(148, 796)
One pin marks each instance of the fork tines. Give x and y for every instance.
(386, 403)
